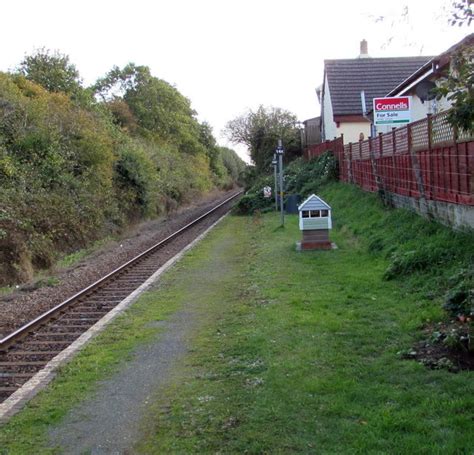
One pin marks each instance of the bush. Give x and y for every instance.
(73, 170)
(300, 178)
(459, 300)
(404, 263)
(253, 200)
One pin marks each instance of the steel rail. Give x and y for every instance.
(9, 340)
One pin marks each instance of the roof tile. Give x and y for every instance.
(376, 76)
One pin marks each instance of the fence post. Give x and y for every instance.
(394, 149)
(340, 154)
(429, 119)
(415, 165)
(374, 164)
(351, 180)
(458, 170)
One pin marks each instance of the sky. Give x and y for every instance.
(226, 56)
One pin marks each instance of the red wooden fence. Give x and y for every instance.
(427, 158)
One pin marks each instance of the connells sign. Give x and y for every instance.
(395, 110)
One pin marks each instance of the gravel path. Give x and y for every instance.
(109, 422)
(28, 302)
(113, 420)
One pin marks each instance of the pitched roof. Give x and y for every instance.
(314, 203)
(376, 76)
(437, 63)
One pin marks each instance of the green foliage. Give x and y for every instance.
(459, 300)
(51, 70)
(73, 169)
(233, 163)
(301, 177)
(157, 107)
(134, 179)
(427, 257)
(404, 263)
(260, 132)
(458, 87)
(253, 199)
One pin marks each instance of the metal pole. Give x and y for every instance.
(280, 155)
(275, 164)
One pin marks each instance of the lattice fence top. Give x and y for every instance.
(442, 133)
(419, 135)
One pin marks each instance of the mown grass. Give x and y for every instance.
(305, 359)
(299, 350)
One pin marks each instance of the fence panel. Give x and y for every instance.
(429, 158)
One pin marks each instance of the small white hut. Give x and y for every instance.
(315, 222)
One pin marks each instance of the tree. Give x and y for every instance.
(234, 164)
(458, 85)
(260, 131)
(461, 13)
(51, 70)
(157, 106)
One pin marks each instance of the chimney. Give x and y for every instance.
(364, 49)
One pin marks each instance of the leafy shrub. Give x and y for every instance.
(300, 178)
(459, 300)
(253, 200)
(73, 170)
(407, 262)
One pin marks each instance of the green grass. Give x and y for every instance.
(305, 361)
(297, 352)
(77, 256)
(27, 432)
(424, 256)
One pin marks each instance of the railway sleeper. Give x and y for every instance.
(78, 321)
(39, 345)
(24, 356)
(56, 335)
(92, 314)
(23, 366)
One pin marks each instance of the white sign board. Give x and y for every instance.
(392, 111)
(267, 191)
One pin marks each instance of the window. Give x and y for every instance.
(314, 213)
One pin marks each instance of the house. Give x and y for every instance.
(343, 82)
(419, 84)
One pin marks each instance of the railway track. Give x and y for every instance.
(27, 350)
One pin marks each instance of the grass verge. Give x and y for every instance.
(298, 353)
(305, 361)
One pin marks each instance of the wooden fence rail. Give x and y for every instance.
(426, 159)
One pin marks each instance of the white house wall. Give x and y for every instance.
(329, 127)
(352, 130)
